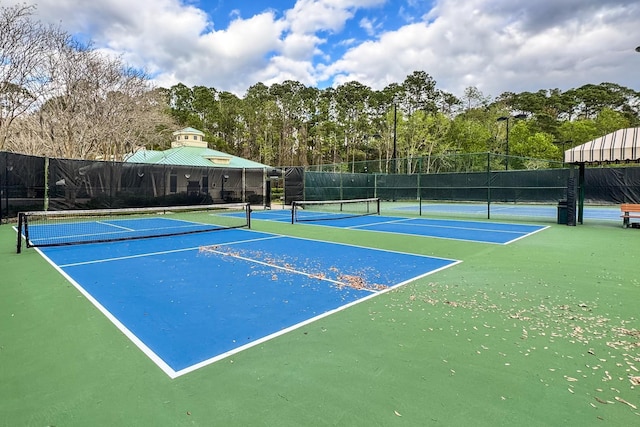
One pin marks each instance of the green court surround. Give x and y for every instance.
(542, 332)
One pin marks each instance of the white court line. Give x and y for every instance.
(114, 225)
(528, 234)
(491, 230)
(418, 224)
(133, 337)
(393, 221)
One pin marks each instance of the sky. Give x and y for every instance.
(496, 46)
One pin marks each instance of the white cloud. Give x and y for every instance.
(310, 16)
(470, 43)
(368, 25)
(496, 45)
(301, 46)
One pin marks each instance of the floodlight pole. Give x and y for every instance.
(506, 118)
(506, 159)
(570, 141)
(395, 127)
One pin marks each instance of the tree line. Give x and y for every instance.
(63, 99)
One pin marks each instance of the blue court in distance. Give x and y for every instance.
(472, 231)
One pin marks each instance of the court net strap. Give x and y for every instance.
(322, 210)
(71, 227)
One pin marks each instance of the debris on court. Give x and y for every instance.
(621, 400)
(544, 322)
(358, 283)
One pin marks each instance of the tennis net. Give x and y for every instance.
(323, 210)
(71, 227)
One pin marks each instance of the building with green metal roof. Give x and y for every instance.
(189, 148)
(194, 168)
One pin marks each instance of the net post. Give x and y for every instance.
(19, 243)
(22, 223)
(248, 213)
(378, 205)
(293, 211)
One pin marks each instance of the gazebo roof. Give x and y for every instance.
(620, 146)
(189, 130)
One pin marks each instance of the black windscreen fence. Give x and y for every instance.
(22, 185)
(612, 185)
(29, 183)
(530, 186)
(293, 184)
(338, 186)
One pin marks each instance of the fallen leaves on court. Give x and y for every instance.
(356, 279)
(607, 348)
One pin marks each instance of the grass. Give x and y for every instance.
(540, 332)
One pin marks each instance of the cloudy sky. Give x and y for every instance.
(494, 45)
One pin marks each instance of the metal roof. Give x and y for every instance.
(192, 156)
(619, 146)
(188, 130)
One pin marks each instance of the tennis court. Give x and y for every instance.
(509, 210)
(472, 231)
(189, 300)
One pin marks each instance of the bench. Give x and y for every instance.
(629, 210)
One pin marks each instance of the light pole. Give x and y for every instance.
(395, 133)
(503, 119)
(569, 141)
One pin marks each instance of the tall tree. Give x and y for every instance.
(352, 101)
(24, 79)
(96, 108)
(474, 98)
(258, 109)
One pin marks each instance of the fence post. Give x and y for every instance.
(6, 185)
(488, 185)
(46, 184)
(1, 189)
(375, 185)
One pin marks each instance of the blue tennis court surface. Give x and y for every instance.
(606, 213)
(473, 231)
(187, 301)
